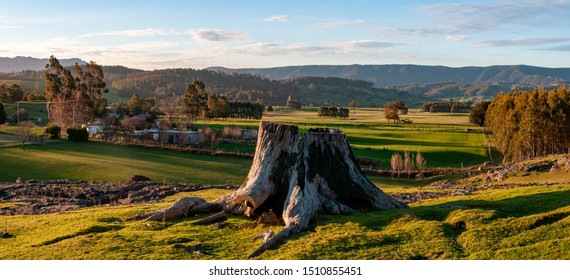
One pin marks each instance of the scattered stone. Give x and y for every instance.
(537, 166)
(562, 163)
(219, 225)
(201, 253)
(495, 175)
(443, 184)
(53, 196)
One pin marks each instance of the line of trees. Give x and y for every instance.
(333, 112)
(528, 124)
(447, 107)
(408, 164)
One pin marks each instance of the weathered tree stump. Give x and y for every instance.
(295, 179)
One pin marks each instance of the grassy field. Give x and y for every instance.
(515, 223)
(106, 162)
(35, 110)
(445, 140)
(530, 222)
(446, 145)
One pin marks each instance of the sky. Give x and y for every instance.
(256, 34)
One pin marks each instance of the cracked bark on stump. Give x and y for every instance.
(295, 178)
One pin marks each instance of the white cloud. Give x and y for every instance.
(278, 18)
(474, 18)
(367, 44)
(137, 32)
(217, 35)
(456, 38)
(522, 41)
(337, 23)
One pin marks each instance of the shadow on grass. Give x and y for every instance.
(517, 207)
(93, 229)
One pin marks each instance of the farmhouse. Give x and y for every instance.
(93, 128)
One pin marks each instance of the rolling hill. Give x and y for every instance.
(21, 63)
(396, 75)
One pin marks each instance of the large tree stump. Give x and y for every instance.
(295, 178)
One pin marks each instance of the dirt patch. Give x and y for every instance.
(42, 197)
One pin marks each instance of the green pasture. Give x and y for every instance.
(445, 140)
(106, 162)
(530, 222)
(516, 223)
(34, 109)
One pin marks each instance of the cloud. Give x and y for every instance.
(366, 44)
(562, 48)
(456, 38)
(137, 32)
(523, 41)
(398, 31)
(217, 35)
(278, 18)
(473, 18)
(337, 23)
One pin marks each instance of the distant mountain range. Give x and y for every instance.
(398, 75)
(369, 85)
(20, 63)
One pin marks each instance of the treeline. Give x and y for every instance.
(333, 112)
(528, 124)
(235, 87)
(447, 107)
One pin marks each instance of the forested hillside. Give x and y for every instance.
(406, 74)
(475, 91)
(252, 88)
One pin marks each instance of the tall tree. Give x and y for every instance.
(171, 108)
(135, 105)
(74, 98)
(391, 112)
(195, 99)
(477, 113)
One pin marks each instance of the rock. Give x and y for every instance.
(138, 178)
(219, 225)
(201, 253)
(19, 180)
(562, 163)
(537, 166)
(443, 184)
(496, 175)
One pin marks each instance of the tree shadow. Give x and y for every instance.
(516, 207)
